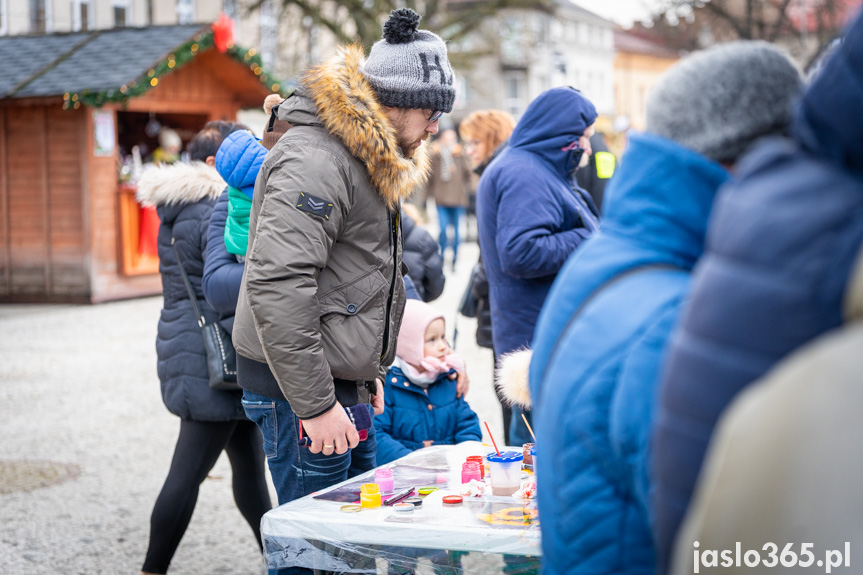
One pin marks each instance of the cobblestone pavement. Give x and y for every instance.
(86, 441)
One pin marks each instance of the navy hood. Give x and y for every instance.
(551, 127)
(827, 122)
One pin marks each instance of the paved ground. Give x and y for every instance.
(86, 441)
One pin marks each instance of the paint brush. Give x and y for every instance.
(528, 427)
(493, 442)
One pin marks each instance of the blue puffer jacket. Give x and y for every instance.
(529, 218)
(184, 196)
(596, 365)
(781, 244)
(410, 417)
(238, 161)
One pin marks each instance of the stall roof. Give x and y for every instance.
(54, 64)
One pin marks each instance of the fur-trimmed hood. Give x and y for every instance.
(348, 108)
(179, 183)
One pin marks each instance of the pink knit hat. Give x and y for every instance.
(418, 315)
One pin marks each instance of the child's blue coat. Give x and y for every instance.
(411, 417)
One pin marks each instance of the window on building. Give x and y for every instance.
(121, 15)
(82, 15)
(462, 92)
(514, 92)
(270, 33)
(185, 11)
(4, 27)
(38, 17)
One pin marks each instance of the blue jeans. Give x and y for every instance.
(518, 432)
(296, 471)
(449, 216)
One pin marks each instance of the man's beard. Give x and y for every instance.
(405, 144)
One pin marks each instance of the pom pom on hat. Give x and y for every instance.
(275, 128)
(271, 101)
(401, 27)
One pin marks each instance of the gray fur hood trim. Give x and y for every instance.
(179, 183)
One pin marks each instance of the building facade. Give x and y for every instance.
(638, 65)
(530, 51)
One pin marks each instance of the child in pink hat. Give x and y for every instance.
(421, 403)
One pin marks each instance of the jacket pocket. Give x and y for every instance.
(353, 297)
(263, 414)
(352, 326)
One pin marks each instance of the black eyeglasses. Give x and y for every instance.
(435, 116)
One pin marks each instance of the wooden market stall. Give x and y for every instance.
(72, 108)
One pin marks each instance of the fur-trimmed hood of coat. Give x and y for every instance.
(348, 108)
(179, 183)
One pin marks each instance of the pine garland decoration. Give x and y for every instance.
(175, 60)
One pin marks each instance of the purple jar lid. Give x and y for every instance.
(506, 457)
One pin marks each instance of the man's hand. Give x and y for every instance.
(378, 398)
(463, 382)
(332, 432)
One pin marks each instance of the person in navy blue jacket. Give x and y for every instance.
(782, 241)
(602, 334)
(421, 404)
(531, 216)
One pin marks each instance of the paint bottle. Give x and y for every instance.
(527, 450)
(470, 470)
(370, 495)
(478, 459)
(384, 478)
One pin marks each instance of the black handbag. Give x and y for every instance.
(221, 356)
(467, 307)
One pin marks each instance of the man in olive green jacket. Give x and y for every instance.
(322, 294)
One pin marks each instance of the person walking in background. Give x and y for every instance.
(485, 134)
(421, 256)
(601, 337)
(422, 405)
(531, 217)
(449, 184)
(322, 293)
(781, 246)
(596, 170)
(211, 421)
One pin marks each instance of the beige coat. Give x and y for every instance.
(322, 294)
(453, 192)
(786, 462)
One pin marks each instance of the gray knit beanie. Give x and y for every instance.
(719, 101)
(409, 68)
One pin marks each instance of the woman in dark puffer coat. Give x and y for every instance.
(211, 420)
